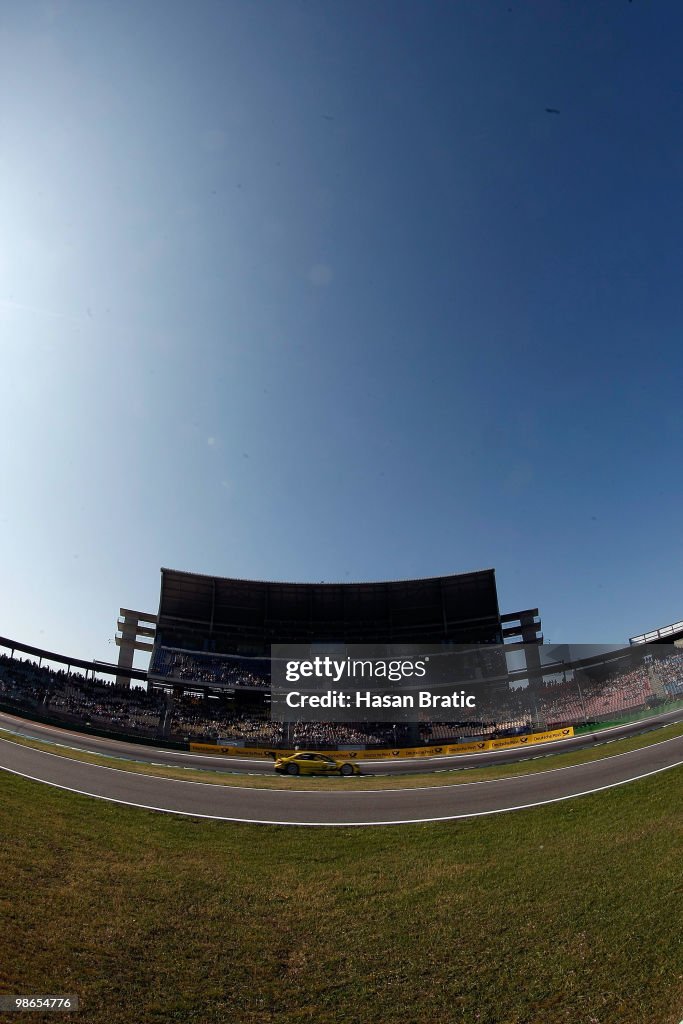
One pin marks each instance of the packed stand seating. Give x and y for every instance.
(670, 672)
(619, 693)
(560, 702)
(19, 684)
(332, 734)
(129, 711)
(71, 698)
(458, 732)
(189, 666)
(198, 720)
(565, 702)
(625, 693)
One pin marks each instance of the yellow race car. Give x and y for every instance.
(306, 762)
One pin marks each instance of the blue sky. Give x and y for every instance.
(320, 291)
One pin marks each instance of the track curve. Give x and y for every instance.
(254, 766)
(345, 808)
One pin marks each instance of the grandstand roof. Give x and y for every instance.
(663, 635)
(106, 668)
(458, 607)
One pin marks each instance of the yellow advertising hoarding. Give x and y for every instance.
(386, 754)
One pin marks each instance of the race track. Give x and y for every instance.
(344, 808)
(254, 766)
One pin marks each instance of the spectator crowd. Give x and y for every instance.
(214, 669)
(71, 698)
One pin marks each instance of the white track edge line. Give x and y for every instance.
(344, 792)
(344, 824)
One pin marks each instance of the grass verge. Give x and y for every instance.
(568, 914)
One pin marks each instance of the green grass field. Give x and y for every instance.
(569, 914)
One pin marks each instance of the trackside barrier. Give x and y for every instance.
(380, 754)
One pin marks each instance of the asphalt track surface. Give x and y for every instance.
(344, 808)
(255, 766)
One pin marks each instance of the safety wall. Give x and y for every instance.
(385, 754)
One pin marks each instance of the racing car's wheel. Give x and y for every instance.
(292, 769)
(346, 769)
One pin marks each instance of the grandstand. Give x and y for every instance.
(202, 618)
(72, 698)
(214, 635)
(232, 616)
(209, 674)
(587, 693)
